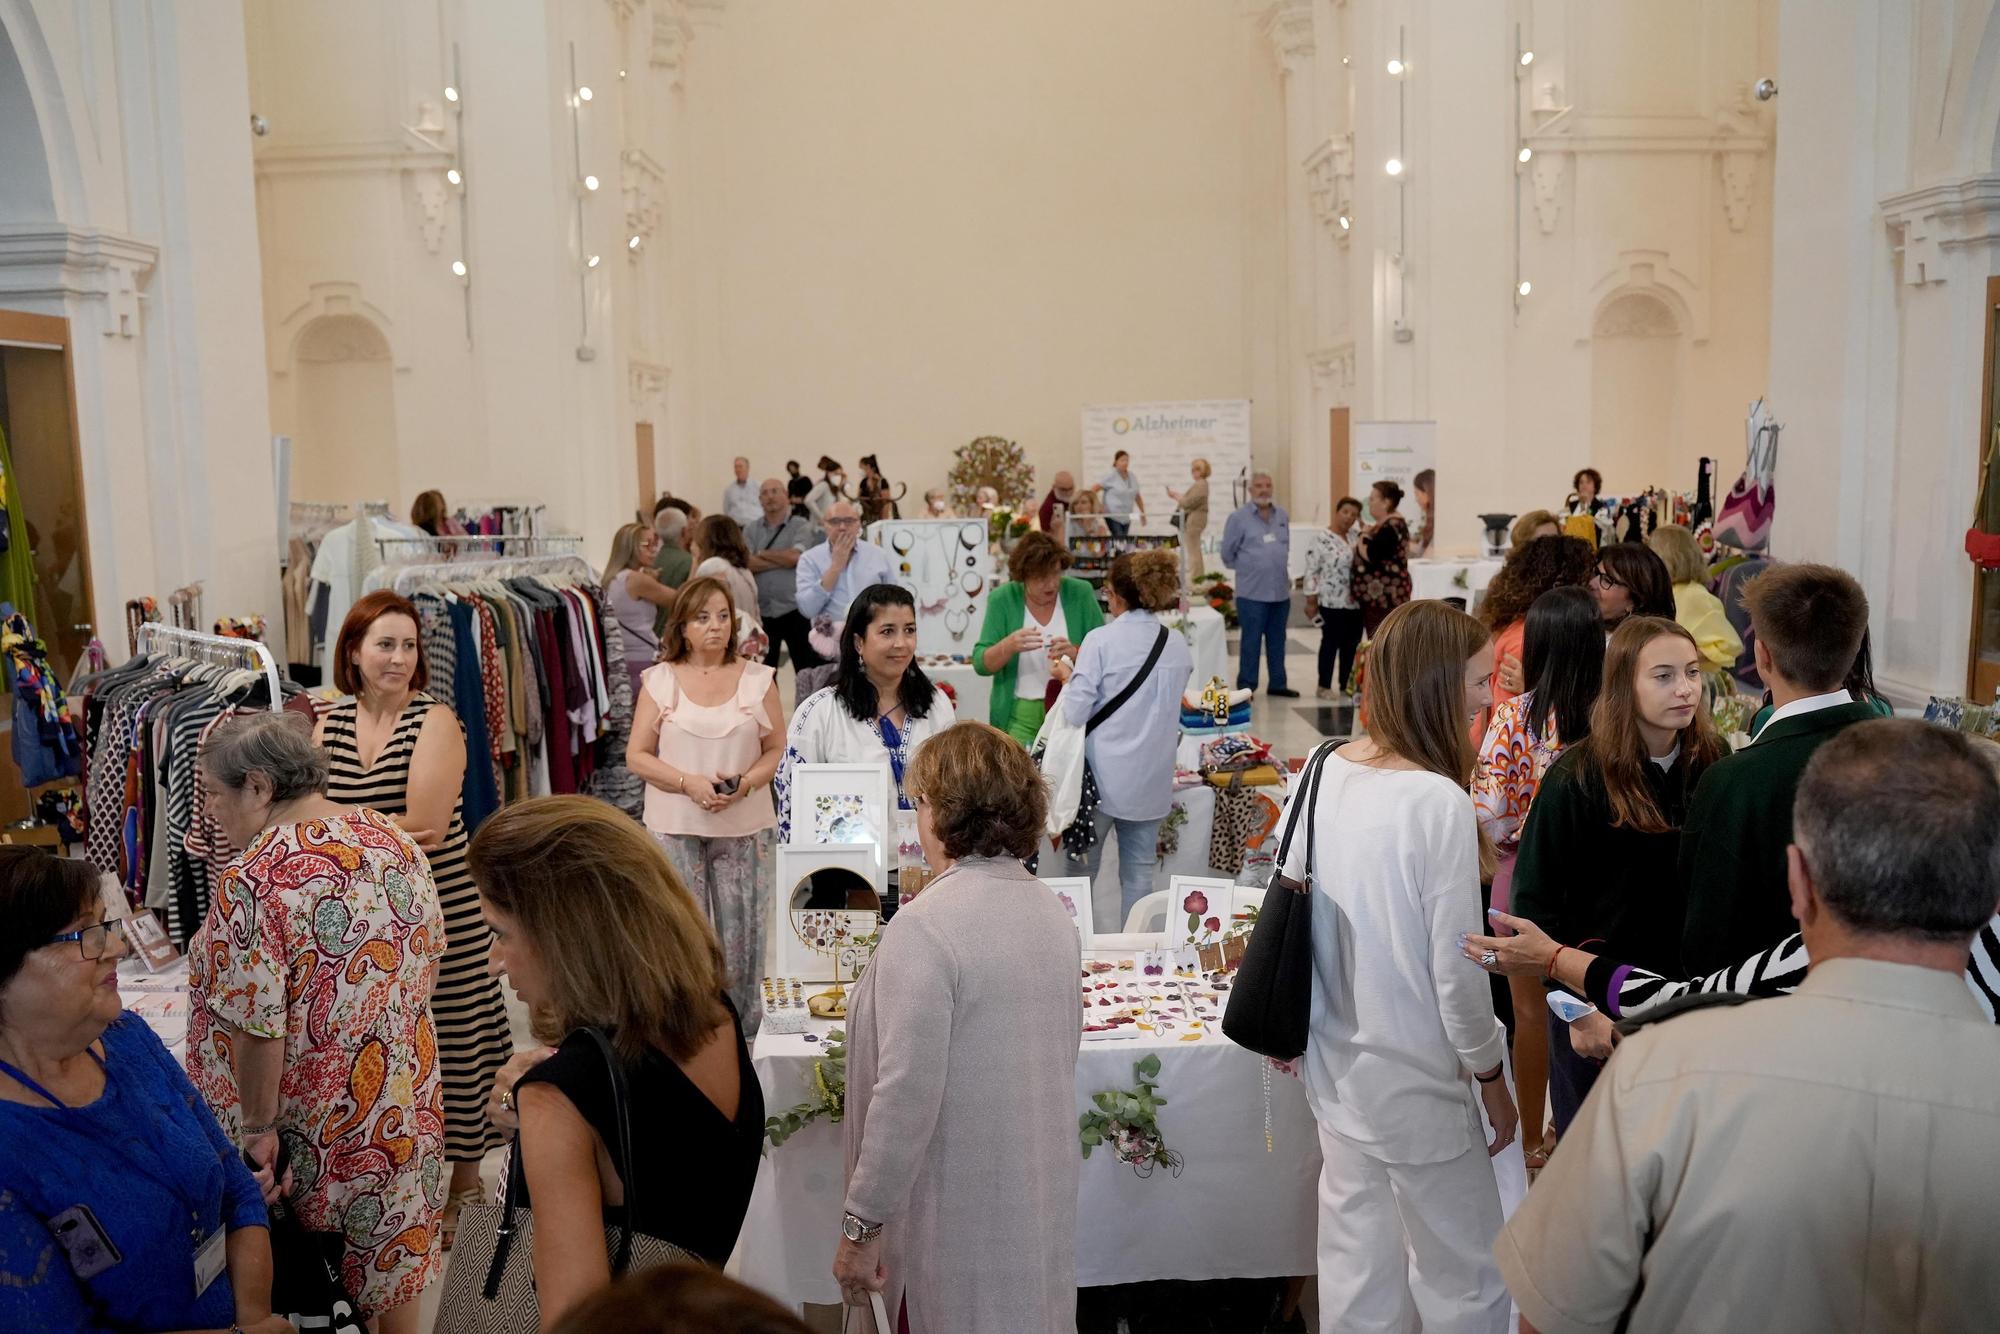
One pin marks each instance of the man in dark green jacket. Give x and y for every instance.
(1809, 620)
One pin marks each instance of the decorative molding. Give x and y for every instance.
(282, 342)
(1650, 273)
(1925, 223)
(432, 195)
(50, 262)
(644, 182)
(348, 337)
(1333, 368)
(1635, 315)
(1290, 28)
(647, 382)
(1739, 173)
(1546, 173)
(1330, 184)
(350, 158)
(671, 33)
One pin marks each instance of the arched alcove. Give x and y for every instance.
(344, 433)
(28, 191)
(1636, 349)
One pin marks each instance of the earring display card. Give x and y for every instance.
(948, 567)
(1073, 892)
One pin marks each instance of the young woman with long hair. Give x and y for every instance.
(1404, 1050)
(1564, 663)
(1600, 846)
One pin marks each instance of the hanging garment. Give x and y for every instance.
(46, 744)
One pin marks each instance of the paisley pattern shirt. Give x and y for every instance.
(1512, 761)
(326, 935)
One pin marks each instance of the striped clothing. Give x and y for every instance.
(474, 1039)
(1625, 992)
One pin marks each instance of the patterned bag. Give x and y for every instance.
(1745, 520)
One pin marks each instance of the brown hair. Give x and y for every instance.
(1391, 494)
(1532, 570)
(1416, 692)
(371, 608)
(678, 1299)
(987, 799)
(1036, 556)
(1524, 528)
(427, 511)
(625, 945)
(40, 895)
(694, 595)
(1615, 747)
(1680, 552)
(1811, 619)
(720, 535)
(1344, 502)
(1147, 580)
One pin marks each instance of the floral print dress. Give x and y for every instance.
(326, 935)
(1382, 571)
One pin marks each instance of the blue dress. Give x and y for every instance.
(150, 1162)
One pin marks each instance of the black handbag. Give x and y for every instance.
(1270, 1003)
(1082, 831)
(306, 1286)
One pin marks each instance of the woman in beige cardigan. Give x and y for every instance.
(962, 1156)
(1193, 505)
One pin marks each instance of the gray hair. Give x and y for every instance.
(277, 745)
(670, 523)
(1899, 823)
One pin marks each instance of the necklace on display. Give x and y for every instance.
(931, 597)
(957, 621)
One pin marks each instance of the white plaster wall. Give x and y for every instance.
(134, 222)
(931, 220)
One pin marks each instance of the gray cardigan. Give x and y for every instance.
(961, 1103)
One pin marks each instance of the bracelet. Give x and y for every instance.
(1550, 971)
(1498, 1071)
(682, 785)
(249, 1132)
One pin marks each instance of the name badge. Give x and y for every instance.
(210, 1259)
(1270, 537)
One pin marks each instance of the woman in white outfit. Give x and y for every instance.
(1404, 1048)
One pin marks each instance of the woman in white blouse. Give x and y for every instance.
(880, 707)
(1404, 1050)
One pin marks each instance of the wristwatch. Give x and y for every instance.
(858, 1232)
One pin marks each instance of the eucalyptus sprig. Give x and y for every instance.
(828, 1078)
(1127, 1120)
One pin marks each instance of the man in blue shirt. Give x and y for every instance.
(833, 573)
(1257, 548)
(1120, 491)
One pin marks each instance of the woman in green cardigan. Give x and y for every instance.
(1039, 613)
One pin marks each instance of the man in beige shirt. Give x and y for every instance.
(1828, 1160)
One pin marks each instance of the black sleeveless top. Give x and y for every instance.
(693, 1166)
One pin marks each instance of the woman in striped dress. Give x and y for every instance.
(397, 750)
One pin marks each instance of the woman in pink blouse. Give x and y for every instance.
(707, 734)
(1563, 664)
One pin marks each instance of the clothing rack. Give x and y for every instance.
(221, 650)
(568, 565)
(399, 549)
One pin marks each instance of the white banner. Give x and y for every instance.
(1391, 452)
(1163, 439)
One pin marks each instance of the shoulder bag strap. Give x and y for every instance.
(1117, 701)
(621, 1152)
(1307, 798)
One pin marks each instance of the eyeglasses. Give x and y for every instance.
(1605, 579)
(93, 942)
(843, 523)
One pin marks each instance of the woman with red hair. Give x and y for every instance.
(395, 749)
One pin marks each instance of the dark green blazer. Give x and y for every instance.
(1733, 847)
(1006, 612)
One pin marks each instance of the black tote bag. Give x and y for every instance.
(1270, 1004)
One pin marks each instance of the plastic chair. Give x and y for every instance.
(1148, 915)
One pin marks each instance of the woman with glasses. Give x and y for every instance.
(1631, 580)
(309, 1028)
(122, 1203)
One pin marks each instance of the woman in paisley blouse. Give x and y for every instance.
(309, 1031)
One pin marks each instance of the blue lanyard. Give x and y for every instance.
(892, 741)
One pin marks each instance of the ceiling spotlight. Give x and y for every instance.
(1526, 154)
(455, 176)
(635, 243)
(450, 93)
(1527, 57)
(1523, 287)
(621, 73)
(590, 182)
(592, 262)
(1345, 222)
(1394, 166)
(585, 93)
(458, 267)
(1345, 61)
(1395, 65)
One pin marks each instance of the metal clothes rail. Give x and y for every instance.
(221, 650)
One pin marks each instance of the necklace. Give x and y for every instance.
(957, 621)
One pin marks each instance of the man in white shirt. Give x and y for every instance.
(739, 499)
(1819, 1161)
(1120, 491)
(831, 574)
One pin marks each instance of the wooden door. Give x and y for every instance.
(1983, 673)
(648, 479)
(1339, 447)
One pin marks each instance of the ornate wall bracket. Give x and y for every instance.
(1924, 224)
(1333, 370)
(644, 182)
(48, 261)
(1330, 182)
(1545, 173)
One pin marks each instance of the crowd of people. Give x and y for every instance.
(1540, 807)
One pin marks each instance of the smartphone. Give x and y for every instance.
(1568, 1008)
(727, 787)
(85, 1241)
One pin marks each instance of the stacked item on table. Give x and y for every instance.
(1215, 709)
(785, 1009)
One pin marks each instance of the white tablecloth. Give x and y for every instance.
(1437, 579)
(1205, 638)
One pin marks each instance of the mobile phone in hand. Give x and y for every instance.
(727, 787)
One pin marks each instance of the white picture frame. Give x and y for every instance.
(795, 956)
(1073, 892)
(851, 804)
(1221, 904)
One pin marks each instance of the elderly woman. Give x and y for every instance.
(1192, 508)
(962, 1163)
(1040, 614)
(106, 1141)
(309, 1025)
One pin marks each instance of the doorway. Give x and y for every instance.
(1983, 673)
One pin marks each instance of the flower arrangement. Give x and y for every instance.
(1127, 1120)
(829, 1094)
(1004, 527)
(1170, 831)
(991, 461)
(1218, 594)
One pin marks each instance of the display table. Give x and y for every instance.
(1436, 579)
(161, 999)
(1236, 1210)
(1204, 629)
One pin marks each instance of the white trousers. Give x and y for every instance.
(1405, 1246)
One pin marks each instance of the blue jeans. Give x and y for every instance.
(1138, 858)
(1263, 626)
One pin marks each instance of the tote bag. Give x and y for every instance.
(1270, 1004)
(489, 1287)
(1745, 520)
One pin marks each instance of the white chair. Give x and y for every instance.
(1148, 915)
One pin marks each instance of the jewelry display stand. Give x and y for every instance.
(948, 567)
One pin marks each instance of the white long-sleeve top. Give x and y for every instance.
(1401, 1021)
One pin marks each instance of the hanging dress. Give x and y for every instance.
(474, 1038)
